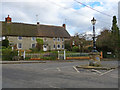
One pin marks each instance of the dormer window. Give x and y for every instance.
(19, 37)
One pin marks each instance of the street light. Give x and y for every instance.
(94, 55)
(93, 21)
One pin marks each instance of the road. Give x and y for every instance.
(57, 75)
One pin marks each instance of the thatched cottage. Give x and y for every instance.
(24, 35)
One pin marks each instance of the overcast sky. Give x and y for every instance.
(56, 12)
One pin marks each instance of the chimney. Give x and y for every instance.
(64, 25)
(38, 23)
(8, 19)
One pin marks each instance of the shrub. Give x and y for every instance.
(75, 49)
(33, 50)
(5, 43)
(27, 58)
(8, 54)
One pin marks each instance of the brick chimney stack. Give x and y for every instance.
(8, 19)
(64, 25)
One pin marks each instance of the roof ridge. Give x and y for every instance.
(34, 24)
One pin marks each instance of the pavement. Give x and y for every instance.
(35, 61)
(57, 75)
(20, 62)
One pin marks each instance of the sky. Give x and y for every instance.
(77, 17)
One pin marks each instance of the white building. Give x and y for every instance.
(119, 14)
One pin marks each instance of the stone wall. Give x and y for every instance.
(26, 42)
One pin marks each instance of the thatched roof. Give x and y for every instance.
(31, 30)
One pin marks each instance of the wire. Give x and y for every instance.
(94, 9)
(74, 11)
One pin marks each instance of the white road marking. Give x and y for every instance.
(96, 70)
(76, 69)
(53, 86)
(55, 67)
(58, 69)
(106, 72)
(94, 73)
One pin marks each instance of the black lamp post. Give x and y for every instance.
(93, 21)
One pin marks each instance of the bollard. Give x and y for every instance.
(24, 55)
(18, 52)
(58, 55)
(64, 55)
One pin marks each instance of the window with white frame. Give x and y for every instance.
(54, 46)
(62, 46)
(58, 39)
(33, 38)
(62, 39)
(19, 37)
(33, 45)
(53, 39)
(58, 46)
(19, 45)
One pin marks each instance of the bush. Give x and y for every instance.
(8, 54)
(34, 50)
(75, 49)
(5, 43)
(27, 58)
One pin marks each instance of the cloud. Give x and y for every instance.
(56, 11)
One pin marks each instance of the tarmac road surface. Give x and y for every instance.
(57, 75)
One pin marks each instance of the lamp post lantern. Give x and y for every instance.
(93, 21)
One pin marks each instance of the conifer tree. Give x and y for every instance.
(115, 36)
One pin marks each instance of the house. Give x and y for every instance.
(24, 36)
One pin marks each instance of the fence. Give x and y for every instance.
(70, 56)
(61, 55)
(76, 54)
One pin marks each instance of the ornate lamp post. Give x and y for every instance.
(94, 55)
(93, 21)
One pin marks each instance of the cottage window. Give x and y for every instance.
(19, 45)
(33, 45)
(58, 39)
(58, 46)
(63, 39)
(33, 38)
(53, 46)
(62, 46)
(19, 37)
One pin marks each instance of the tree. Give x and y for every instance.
(39, 45)
(104, 42)
(5, 42)
(80, 41)
(68, 45)
(115, 34)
